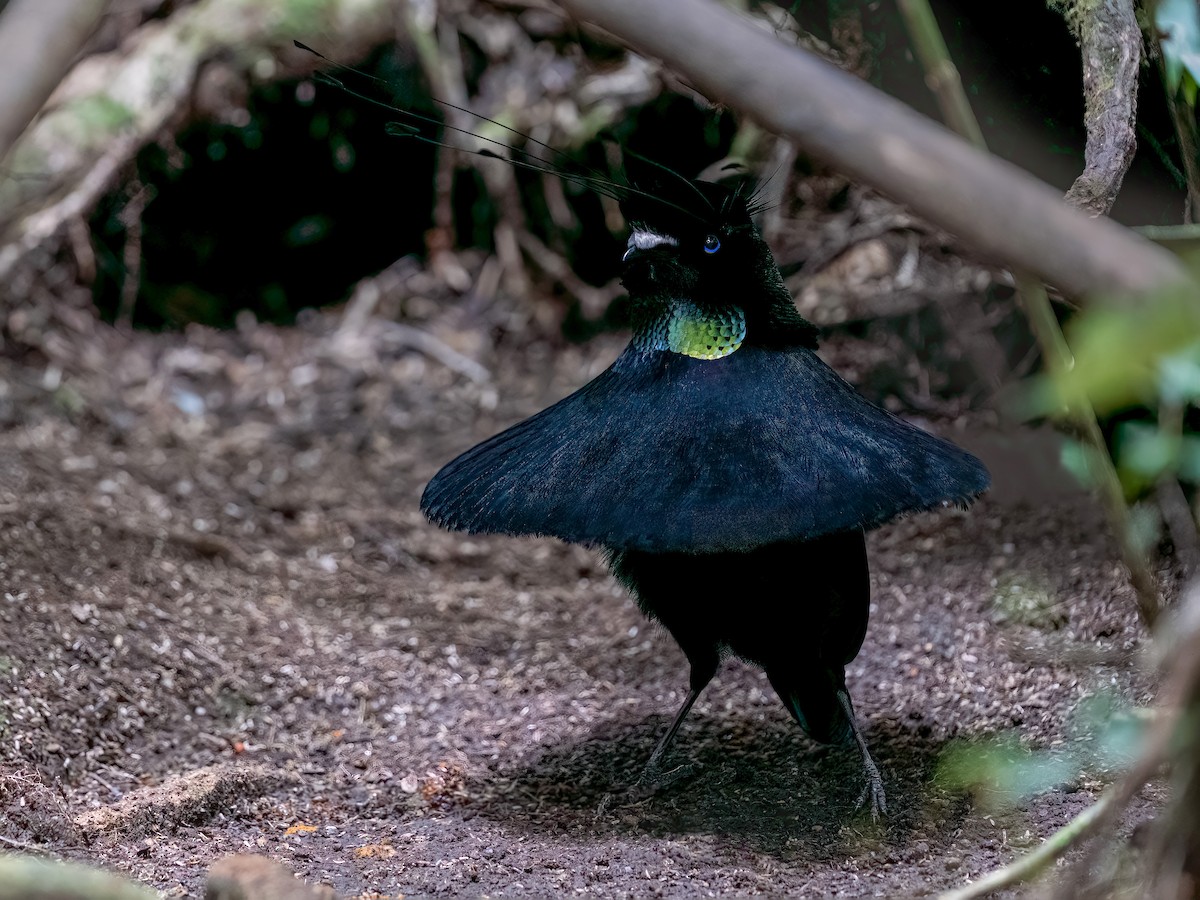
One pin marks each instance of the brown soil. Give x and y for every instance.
(225, 627)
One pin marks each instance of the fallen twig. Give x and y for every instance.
(592, 299)
(19, 845)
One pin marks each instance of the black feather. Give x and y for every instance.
(802, 615)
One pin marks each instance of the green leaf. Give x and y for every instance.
(1189, 459)
(1001, 772)
(1080, 460)
(1179, 376)
(100, 112)
(1106, 733)
(1145, 451)
(1118, 347)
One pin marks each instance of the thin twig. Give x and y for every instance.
(1181, 525)
(1186, 132)
(408, 337)
(1057, 358)
(593, 300)
(20, 845)
(1162, 742)
(131, 218)
(941, 75)
(1163, 729)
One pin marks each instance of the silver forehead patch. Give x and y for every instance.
(644, 240)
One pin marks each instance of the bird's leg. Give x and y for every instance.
(652, 766)
(703, 670)
(874, 785)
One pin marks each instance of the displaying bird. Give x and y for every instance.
(726, 473)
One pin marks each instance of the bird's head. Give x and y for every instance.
(693, 246)
(687, 234)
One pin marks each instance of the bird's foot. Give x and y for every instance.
(650, 782)
(654, 778)
(874, 786)
(874, 790)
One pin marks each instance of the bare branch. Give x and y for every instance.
(120, 101)
(1111, 45)
(38, 40)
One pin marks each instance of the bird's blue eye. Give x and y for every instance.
(712, 244)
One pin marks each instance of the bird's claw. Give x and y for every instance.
(654, 779)
(873, 789)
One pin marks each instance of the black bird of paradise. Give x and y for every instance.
(726, 473)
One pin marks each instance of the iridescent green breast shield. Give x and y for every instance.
(691, 330)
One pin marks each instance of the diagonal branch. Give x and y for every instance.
(1001, 210)
(38, 40)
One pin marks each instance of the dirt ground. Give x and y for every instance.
(225, 627)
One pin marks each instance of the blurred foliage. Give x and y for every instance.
(1001, 771)
(1138, 363)
(1178, 24)
(1129, 352)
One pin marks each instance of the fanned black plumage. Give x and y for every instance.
(667, 453)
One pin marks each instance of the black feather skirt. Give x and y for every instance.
(666, 453)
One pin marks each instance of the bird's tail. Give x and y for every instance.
(812, 699)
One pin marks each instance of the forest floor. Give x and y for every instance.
(225, 627)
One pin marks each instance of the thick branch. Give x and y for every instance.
(1001, 210)
(1111, 45)
(38, 39)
